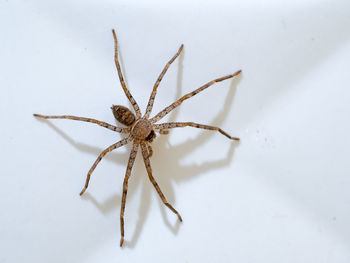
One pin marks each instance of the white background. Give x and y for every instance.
(281, 195)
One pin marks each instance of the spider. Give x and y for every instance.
(142, 130)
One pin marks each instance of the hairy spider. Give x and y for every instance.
(141, 129)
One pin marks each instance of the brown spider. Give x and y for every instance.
(141, 129)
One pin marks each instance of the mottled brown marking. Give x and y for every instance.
(123, 115)
(141, 131)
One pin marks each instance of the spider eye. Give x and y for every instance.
(123, 115)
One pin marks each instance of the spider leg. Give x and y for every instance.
(154, 91)
(153, 181)
(99, 158)
(125, 188)
(122, 82)
(171, 125)
(172, 106)
(69, 117)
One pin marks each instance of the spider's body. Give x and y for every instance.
(123, 115)
(142, 130)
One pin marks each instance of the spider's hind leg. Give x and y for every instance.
(75, 118)
(125, 188)
(153, 181)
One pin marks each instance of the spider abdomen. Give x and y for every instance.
(142, 129)
(123, 115)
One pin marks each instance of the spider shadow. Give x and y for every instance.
(112, 156)
(120, 158)
(161, 164)
(172, 168)
(178, 172)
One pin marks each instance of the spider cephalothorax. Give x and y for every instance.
(142, 130)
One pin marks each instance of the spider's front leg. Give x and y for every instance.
(177, 103)
(171, 125)
(154, 91)
(121, 78)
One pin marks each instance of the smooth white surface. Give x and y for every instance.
(281, 195)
